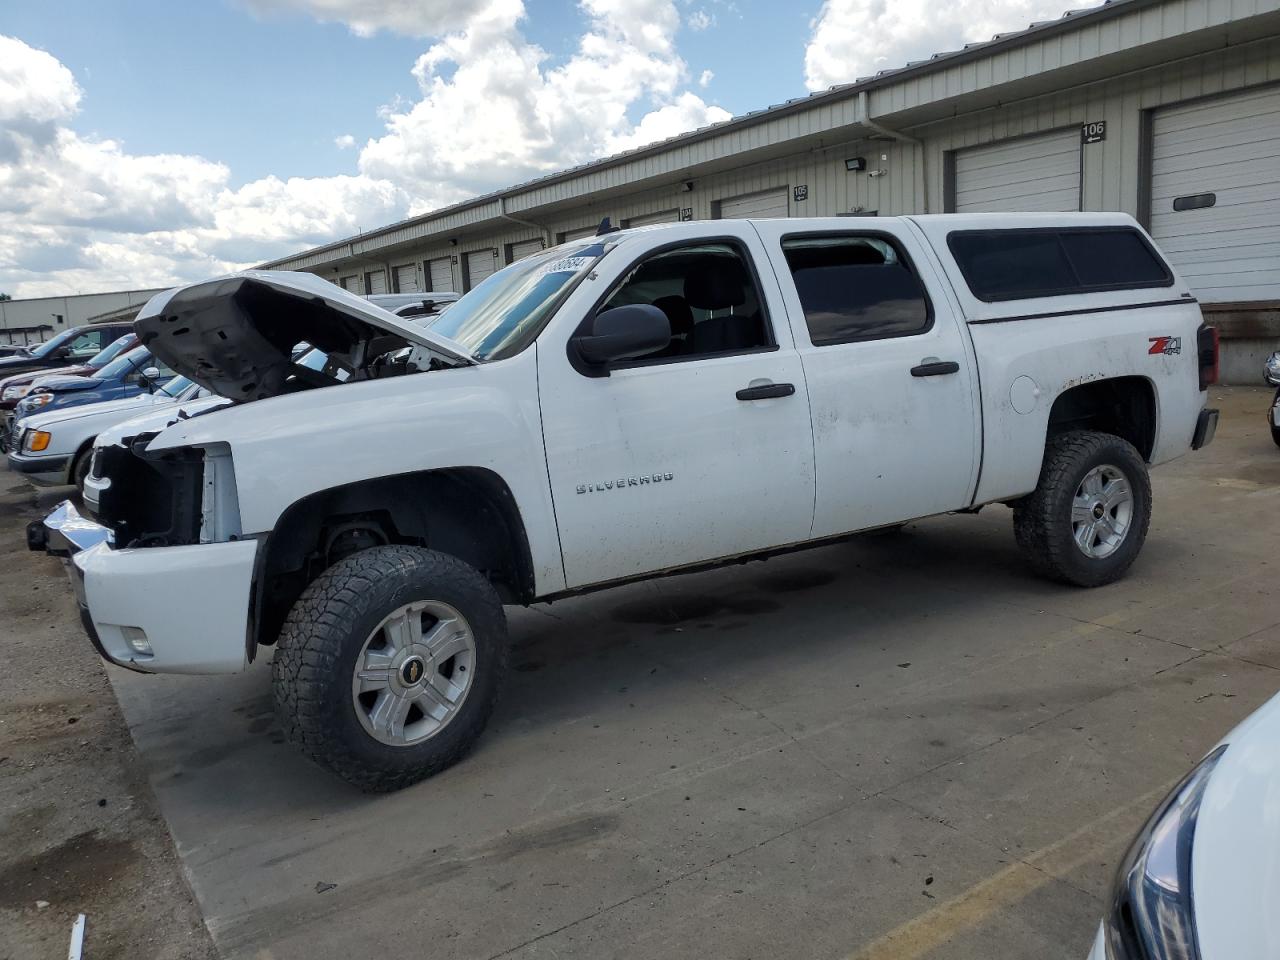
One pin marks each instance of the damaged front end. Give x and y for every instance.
(153, 499)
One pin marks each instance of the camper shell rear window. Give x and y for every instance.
(1022, 264)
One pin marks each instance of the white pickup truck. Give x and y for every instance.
(631, 405)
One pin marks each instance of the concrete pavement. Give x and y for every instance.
(902, 746)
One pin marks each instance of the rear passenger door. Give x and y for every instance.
(892, 391)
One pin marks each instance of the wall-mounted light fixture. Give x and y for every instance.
(453, 241)
(856, 164)
(686, 186)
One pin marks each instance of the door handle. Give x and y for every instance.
(933, 367)
(766, 391)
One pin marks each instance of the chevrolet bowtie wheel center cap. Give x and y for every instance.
(411, 671)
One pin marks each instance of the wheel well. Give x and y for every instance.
(1123, 406)
(467, 512)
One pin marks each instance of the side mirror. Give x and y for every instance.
(623, 333)
(151, 373)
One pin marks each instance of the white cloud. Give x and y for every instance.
(415, 18)
(492, 110)
(83, 213)
(701, 20)
(704, 80)
(36, 92)
(856, 38)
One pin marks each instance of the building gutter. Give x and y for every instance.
(547, 239)
(864, 118)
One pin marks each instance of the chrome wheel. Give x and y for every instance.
(1101, 512)
(413, 673)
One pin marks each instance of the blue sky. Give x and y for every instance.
(270, 93)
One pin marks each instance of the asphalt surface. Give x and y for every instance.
(902, 746)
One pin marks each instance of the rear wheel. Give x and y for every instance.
(1087, 519)
(389, 664)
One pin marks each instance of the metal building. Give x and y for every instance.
(1166, 109)
(38, 318)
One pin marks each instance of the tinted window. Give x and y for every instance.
(855, 288)
(1019, 264)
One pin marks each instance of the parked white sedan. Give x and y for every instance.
(54, 448)
(1202, 879)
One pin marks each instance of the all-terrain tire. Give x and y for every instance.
(321, 642)
(1042, 521)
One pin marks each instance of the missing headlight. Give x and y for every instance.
(153, 499)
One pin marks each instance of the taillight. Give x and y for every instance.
(1207, 353)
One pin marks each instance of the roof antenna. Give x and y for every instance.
(606, 227)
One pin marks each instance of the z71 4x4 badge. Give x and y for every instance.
(1166, 345)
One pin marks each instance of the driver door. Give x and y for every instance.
(698, 452)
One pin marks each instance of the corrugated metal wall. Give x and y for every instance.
(1114, 171)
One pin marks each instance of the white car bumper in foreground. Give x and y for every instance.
(156, 609)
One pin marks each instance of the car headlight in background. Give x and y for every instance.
(37, 400)
(34, 441)
(1151, 912)
(1271, 370)
(15, 393)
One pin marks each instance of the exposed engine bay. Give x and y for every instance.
(240, 336)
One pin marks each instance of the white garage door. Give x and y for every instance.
(578, 233)
(480, 265)
(1215, 194)
(440, 273)
(770, 203)
(377, 281)
(1033, 174)
(662, 216)
(525, 248)
(352, 284)
(407, 278)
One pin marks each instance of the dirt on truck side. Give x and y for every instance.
(79, 828)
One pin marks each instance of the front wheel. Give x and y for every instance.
(1087, 519)
(389, 664)
(80, 468)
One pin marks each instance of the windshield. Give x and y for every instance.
(501, 315)
(124, 364)
(99, 360)
(46, 348)
(176, 386)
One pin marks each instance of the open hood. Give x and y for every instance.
(235, 335)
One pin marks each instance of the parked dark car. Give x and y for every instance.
(16, 386)
(70, 347)
(126, 376)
